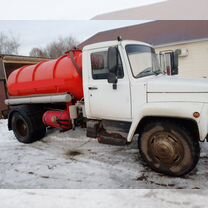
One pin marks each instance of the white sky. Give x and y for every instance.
(63, 9)
(36, 33)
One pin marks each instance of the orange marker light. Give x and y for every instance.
(196, 115)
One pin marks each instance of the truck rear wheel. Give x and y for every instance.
(168, 148)
(27, 128)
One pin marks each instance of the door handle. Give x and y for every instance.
(92, 88)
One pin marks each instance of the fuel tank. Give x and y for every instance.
(57, 119)
(63, 75)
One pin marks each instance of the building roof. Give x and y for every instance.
(9, 63)
(156, 33)
(166, 10)
(8, 58)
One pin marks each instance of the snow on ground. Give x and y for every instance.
(71, 160)
(104, 198)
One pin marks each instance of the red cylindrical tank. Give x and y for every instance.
(63, 75)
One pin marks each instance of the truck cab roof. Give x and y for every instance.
(113, 43)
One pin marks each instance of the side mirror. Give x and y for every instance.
(174, 70)
(113, 59)
(169, 61)
(174, 63)
(113, 66)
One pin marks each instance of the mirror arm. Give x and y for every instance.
(115, 84)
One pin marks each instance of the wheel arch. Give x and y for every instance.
(187, 123)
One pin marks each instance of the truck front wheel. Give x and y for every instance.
(168, 148)
(27, 129)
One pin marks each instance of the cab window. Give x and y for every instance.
(99, 64)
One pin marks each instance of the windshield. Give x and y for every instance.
(143, 60)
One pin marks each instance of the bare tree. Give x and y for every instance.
(56, 48)
(8, 44)
(38, 52)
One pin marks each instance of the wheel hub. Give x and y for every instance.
(21, 127)
(166, 148)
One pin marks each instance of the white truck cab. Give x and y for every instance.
(123, 84)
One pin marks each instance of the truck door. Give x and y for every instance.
(104, 101)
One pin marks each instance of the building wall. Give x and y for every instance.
(195, 65)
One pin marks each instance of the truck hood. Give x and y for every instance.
(175, 89)
(176, 84)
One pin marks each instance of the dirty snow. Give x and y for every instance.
(104, 198)
(71, 160)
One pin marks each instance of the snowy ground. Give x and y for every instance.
(71, 160)
(104, 198)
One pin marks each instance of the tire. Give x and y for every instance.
(168, 148)
(27, 128)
